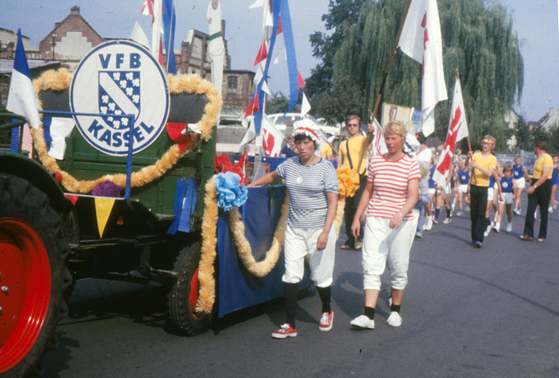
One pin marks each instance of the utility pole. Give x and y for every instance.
(53, 42)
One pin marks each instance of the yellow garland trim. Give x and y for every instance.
(263, 267)
(61, 80)
(206, 270)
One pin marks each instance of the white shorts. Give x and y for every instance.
(432, 191)
(446, 189)
(520, 182)
(385, 247)
(302, 241)
(490, 194)
(463, 188)
(507, 198)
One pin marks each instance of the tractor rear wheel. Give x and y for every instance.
(33, 276)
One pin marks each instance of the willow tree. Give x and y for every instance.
(478, 40)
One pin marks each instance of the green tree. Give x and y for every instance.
(344, 99)
(523, 135)
(478, 40)
(278, 103)
(341, 15)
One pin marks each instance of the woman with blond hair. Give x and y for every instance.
(391, 192)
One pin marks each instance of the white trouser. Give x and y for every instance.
(302, 241)
(387, 247)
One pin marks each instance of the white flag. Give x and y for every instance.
(378, 145)
(306, 107)
(421, 40)
(457, 129)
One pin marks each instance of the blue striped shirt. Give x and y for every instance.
(307, 186)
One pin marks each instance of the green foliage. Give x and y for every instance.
(344, 99)
(278, 103)
(523, 136)
(478, 40)
(342, 14)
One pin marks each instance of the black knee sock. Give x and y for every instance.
(370, 312)
(448, 213)
(324, 293)
(290, 293)
(395, 308)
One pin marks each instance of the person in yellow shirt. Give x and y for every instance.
(539, 193)
(350, 152)
(483, 164)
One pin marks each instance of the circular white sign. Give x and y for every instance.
(118, 78)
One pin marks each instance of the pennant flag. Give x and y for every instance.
(103, 208)
(378, 144)
(262, 54)
(282, 57)
(280, 27)
(21, 96)
(169, 23)
(72, 197)
(250, 134)
(272, 138)
(177, 135)
(138, 35)
(457, 129)
(243, 162)
(421, 40)
(56, 130)
(253, 107)
(147, 9)
(265, 88)
(301, 80)
(306, 107)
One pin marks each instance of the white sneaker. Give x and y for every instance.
(486, 233)
(550, 210)
(488, 230)
(363, 321)
(509, 227)
(518, 211)
(447, 220)
(429, 223)
(497, 227)
(394, 320)
(458, 213)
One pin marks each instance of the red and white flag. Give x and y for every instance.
(457, 129)
(421, 40)
(272, 138)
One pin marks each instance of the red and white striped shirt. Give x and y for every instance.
(390, 185)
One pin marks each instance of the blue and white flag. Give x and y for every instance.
(21, 97)
(56, 130)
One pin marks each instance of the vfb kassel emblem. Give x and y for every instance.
(117, 78)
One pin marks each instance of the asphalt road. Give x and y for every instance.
(489, 312)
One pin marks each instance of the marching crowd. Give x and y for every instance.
(396, 202)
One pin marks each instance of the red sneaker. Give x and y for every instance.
(285, 331)
(326, 321)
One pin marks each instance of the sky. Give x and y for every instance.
(535, 22)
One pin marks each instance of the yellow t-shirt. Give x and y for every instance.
(541, 162)
(326, 151)
(355, 145)
(478, 178)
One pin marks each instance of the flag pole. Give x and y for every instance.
(369, 138)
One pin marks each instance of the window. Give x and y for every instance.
(232, 84)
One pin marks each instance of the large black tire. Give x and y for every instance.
(182, 314)
(33, 276)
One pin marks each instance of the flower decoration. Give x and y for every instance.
(229, 191)
(223, 165)
(107, 189)
(348, 180)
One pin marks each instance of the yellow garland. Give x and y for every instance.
(206, 282)
(206, 270)
(263, 267)
(61, 80)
